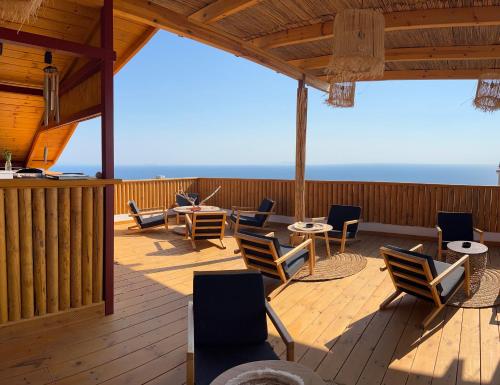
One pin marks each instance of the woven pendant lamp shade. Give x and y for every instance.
(488, 93)
(341, 95)
(19, 11)
(358, 46)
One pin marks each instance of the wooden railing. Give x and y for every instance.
(408, 204)
(51, 247)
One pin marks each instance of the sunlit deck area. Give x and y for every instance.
(337, 325)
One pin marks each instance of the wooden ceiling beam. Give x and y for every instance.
(394, 21)
(221, 9)
(480, 52)
(134, 48)
(435, 74)
(20, 90)
(152, 14)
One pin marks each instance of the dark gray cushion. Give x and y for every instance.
(265, 206)
(451, 282)
(292, 265)
(229, 308)
(135, 210)
(210, 362)
(245, 220)
(338, 234)
(456, 226)
(341, 213)
(181, 201)
(153, 221)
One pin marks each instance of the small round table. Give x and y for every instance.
(307, 375)
(181, 230)
(318, 228)
(478, 255)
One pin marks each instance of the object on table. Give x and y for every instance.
(284, 261)
(68, 176)
(227, 324)
(148, 218)
(6, 174)
(206, 225)
(455, 226)
(253, 219)
(30, 173)
(420, 275)
(344, 220)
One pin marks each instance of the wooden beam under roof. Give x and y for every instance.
(221, 9)
(479, 52)
(152, 14)
(394, 21)
(449, 74)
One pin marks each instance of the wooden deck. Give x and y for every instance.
(339, 331)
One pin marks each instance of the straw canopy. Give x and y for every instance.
(19, 11)
(358, 46)
(488, 93)
(341, 95)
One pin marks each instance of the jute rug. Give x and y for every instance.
(487, 295)
(337, 266)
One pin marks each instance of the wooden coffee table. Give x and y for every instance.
(478, 256)
(307, 375)
(319, 228)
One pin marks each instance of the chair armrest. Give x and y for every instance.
(481, 234)
(319, 219)
(270, 234)
(440, 232)
(449, 270)
(255, 212)
(296, 249)
(190, 346)
(419, 248)
(285, 336)
(234, 208)
(346, 224)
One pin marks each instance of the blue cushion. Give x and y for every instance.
(456, 226)
(265, 207)
(341, 213)
(135, 210)
(153, 221)
(210, 362)
(229, 308)
(245, 220)
(295, 262)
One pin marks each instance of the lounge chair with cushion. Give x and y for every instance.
(206, 225)
(148, 218)
(264, 253)
(227, 324)
(182, 201)
(455, 227)
(419, 275)
(248, 218)
(344, 220)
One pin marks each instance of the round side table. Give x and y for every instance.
(478, 255)
(308, 376)
(318, 228)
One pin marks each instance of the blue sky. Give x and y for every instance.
(181, 102)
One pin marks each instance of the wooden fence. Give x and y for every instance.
(51, 249)
(409, 204)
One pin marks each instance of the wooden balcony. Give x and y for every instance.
(337, 325)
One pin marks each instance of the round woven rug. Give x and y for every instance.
(337, 266)
(488, 294)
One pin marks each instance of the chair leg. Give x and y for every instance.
(190, 369)
(278, 290)
(193, 243)
(177, 219)
(389, 299)
(342, 245)
(431, 316)
(222, 244)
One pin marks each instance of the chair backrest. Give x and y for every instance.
(411, 272)
(181, 201)
(266, 206)
(229, 308)
(339, 214)
(208, 225)
(135, 210)
(456, 226)
(259, 253)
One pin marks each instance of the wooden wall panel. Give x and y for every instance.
(408, 204)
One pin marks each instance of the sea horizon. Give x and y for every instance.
(463, 174)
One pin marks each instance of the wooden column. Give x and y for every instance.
(76, 246)
(26, 252)
(4, 310)
(87, 240)
(300, 152)
(52, 250)
(63, 237)
(13, 256)
(39, 249)
(108, 165)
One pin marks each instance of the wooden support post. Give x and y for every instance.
(76, 246)
(39, 256)
(52, 250)
(26, 252)
(107, 122)
(87, 239)
(13, 257)
(97, 246)
(4, 310)
(300, 152)
(64, 247)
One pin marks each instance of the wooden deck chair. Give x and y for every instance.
(455, 226)
(206, 225)
(344, 220)
(149, 218)
(420, 275)
(246, 217)
(265, 254)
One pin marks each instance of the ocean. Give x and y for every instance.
(442, 174)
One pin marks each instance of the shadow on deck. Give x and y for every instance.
(338, 328)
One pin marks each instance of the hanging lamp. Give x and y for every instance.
(19, 11)
(341, 94)
(50, 92)
(488, 93)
